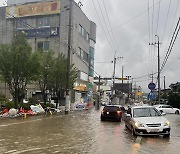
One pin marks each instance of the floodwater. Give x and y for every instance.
(81, 132)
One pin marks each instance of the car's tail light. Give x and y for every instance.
(118, 112)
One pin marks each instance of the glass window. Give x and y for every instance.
(40, 46)
(87, 36)
(40, 22)
(21, 23)
(46, 21)
(80, 27)
(145, 112)
(43, 46)
(85, 56)
(43, 22)
(79, 52)
(46, 46)
(82, 54)
(83, 32)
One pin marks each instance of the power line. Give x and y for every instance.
(166, 20)
(110, 25)
(106, 24)
(177, 6)
(102, 25)
(173, 39)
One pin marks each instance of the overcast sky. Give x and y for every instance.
(126, 27)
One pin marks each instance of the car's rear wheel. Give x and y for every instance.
(177, 112)
(102, 118)
(126, 125)
(161, 111)
(119, 119)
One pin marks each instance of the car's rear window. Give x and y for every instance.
(111, 108)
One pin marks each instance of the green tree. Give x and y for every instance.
(45, 73)
(18, 66)
(174, 99)
(59, 77)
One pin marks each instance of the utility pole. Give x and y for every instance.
(158, 71)
(98, 95)
(165, 87)
(128, 78)
(114, 61)
(122, 78)
(158, 43)
(67, 105)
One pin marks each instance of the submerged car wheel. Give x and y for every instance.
(166, 136)
(177, 112)
(133, 131)
(119, 119)
(102, 118)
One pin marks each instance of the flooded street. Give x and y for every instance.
(80, 132)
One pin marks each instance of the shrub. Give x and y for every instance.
(47, 105)
(10, 105)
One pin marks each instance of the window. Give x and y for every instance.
(43, 46)
(85, 56)
(46, 21)
(87, 36)
(79, 52)
(40, 46)
(43, 22)
(46, 46)
(82, 54)
(80, 29)
(21, 24)
(83, 33)
(145, 112)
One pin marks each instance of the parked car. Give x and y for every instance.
(167, 109)
(111, 112)
(147, 120)
(104, 103)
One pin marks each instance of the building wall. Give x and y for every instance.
(59, 43)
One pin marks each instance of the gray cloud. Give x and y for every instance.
(132, 37)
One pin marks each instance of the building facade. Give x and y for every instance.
(57, 25)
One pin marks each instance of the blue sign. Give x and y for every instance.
(151, 86)
(151, 96)
(41, 32)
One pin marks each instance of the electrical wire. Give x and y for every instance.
(166, 20)
(173, 39)
(110, 26)
(177, 6)
(102, 26)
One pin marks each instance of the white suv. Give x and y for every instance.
(167, 109)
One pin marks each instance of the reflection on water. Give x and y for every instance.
(80, 132)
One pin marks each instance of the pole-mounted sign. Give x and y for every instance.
(151, 86)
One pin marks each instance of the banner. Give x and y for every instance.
(43, 8)
(41, 32)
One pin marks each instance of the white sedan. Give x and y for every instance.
(167, 109)
(146, 120)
